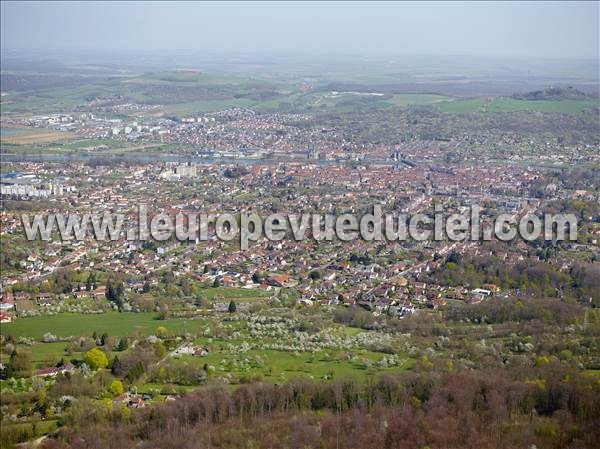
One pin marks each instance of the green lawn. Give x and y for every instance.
(84, 143)
(113, 323)
(48, 354)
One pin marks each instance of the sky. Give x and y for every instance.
(507, 29)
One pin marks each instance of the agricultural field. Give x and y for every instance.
(189, 92)
(197, 78)
(417, 99)
(26, 136)
(352, 101)
(511, 105)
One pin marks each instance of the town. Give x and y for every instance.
(204, 342)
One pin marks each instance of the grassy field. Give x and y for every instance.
(54, 99)
(113, 323)
(120, 324)
(416, 99)
(47, 354)
(42, 354)
(86, 143)
(510, 105)
(147, 88)
(278, 366)
(348, 101)
(269, 365)
(340, 102)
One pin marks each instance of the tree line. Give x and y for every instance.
(549, 406)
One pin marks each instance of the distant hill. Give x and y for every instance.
(553, 93)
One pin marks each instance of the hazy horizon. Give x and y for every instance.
(546, 30)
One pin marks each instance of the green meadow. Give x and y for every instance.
(278, 366)
(115, 324)
(416, 99)
(512, 105)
